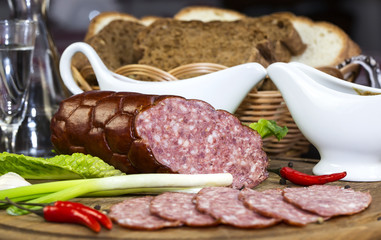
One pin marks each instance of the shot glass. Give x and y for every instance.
(17, 38)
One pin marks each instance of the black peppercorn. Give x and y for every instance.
(282, 181)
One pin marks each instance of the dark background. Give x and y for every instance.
(361, 19)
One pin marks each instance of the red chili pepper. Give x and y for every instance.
(69, 215)
(303, 179)
(102, 218)
(68, 212)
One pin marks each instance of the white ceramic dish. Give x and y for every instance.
(343, 125)
(224, 89)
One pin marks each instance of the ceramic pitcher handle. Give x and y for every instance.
(65, 64)
(369, 64)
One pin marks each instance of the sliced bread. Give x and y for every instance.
(103, 19)
(280, 28)
(169, 43)
(276, 26)
(327, 44)
(114, 45)
(219, 36)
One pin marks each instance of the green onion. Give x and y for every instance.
(66, 190)
(120, 192)
(39, 188)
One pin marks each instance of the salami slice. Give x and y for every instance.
(222, 203)
(328, 200)
(180, 207)
(134, 213)
(270, 203)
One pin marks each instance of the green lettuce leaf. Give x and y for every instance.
(267, 128)
(59, 167)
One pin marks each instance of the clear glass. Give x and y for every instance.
(17, 39)
(46, 87)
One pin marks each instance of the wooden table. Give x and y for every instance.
(365, 225)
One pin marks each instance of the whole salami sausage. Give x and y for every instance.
(139, 133)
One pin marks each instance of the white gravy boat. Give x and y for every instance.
(343, 125)
(224, 89)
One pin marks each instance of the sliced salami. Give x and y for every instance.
(190, 137)
(139, 133)
(180, 207)
(223, 204)
(270, 203)
(134, 213)
(328, 200)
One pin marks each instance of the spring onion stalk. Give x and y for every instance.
(135, 181)
(115, 193)
(121, 192)
(39, 188)
(4, 205)
(38, 198)
(24, 198)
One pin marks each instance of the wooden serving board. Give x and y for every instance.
(365, 225)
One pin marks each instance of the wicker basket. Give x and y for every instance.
(270, 105)
(257, 104)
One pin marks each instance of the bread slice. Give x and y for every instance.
(278, 27)
(207, 14)
(103, 19)
(327, 44)
(114, 45)
(169, 43)
(316, 44)
(111, 34)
